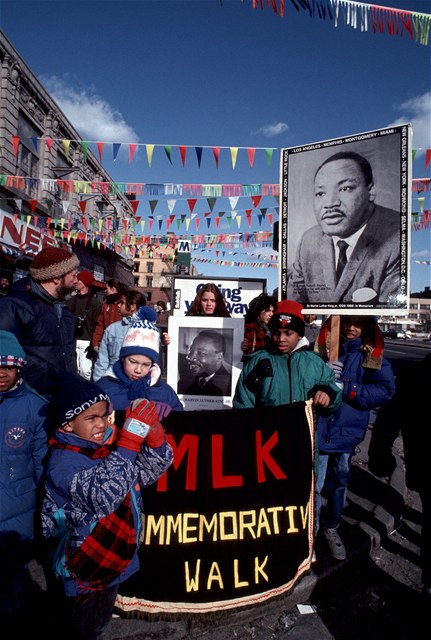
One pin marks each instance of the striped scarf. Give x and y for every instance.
(109, 548)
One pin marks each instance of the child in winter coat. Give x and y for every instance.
(367, 381)
(136, 374)
(23, 449)
(91, 514)
(287, 372)
(113, 335)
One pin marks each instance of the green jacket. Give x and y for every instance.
(270, 379)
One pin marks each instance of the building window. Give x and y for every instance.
(136, 283)
(150, 266)
(149, 280)
(28, 155)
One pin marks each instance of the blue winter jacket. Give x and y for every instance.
(80, 491)
(363, 389)
(123, 391)
(23, 449)
(45, 328)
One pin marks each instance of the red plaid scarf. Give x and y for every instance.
(110, 547)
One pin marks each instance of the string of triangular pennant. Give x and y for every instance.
(359, 15)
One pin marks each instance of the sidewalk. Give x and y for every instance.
(374, 506)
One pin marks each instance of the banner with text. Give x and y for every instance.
(230, 524)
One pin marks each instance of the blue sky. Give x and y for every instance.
(205, 73)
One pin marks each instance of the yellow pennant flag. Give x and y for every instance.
(421, 201)
(233, 153)
(66, 145)
(150, 149)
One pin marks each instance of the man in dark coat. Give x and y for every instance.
(38, 316)
(406, 413)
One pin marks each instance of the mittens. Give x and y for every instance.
(141, 424)
(337, 368)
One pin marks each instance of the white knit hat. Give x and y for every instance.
(142, 337)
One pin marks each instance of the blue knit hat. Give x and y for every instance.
(142, 337)
(72, 395)
(11, 352)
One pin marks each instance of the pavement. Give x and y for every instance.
(373, 508)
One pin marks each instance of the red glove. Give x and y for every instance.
(141, 425)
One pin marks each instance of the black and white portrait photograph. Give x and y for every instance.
(344, 238)
(204, 360)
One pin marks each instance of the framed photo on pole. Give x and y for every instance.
(344, 242)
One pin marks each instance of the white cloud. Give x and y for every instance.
(272, 130)
(92, 117)
(417, 111)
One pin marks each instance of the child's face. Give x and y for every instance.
(8, 378)
(285, 340)
(351, 327)
(91, 424)
(123, 307)
(136, 366)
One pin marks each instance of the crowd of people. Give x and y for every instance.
(82, 404)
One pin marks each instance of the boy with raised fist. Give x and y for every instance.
(91, 514)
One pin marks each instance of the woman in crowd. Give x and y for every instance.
(109, 312)
(209, 302)
(256, 331)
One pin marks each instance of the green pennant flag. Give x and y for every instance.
(269, 153)
(84, 147)
(168, 153)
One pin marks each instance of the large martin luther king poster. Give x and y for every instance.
(345, 223)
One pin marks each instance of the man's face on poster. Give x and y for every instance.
(342, 200)
(203, 357)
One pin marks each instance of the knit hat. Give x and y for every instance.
(11, 352)
(72, 395)
(86, 278)
(288, 315)
(51, 263)
(142, 337)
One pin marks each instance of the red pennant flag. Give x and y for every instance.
(35, 220)
(251, 154)
(82, 205)
(33, 204)
(183, 151)
(169, 221)
(248, 215)
(132, 151)
(15, 143)
(256, 200)
(270, 216)
(100, 146)
(217, 222)
(216, 152)
(49, 143)
(134, 204)
(191, 203)
(427, 158)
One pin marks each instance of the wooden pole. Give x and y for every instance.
(335, 338)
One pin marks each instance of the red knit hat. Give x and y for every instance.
(52, 263)
(86, 278)
(288, 315)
